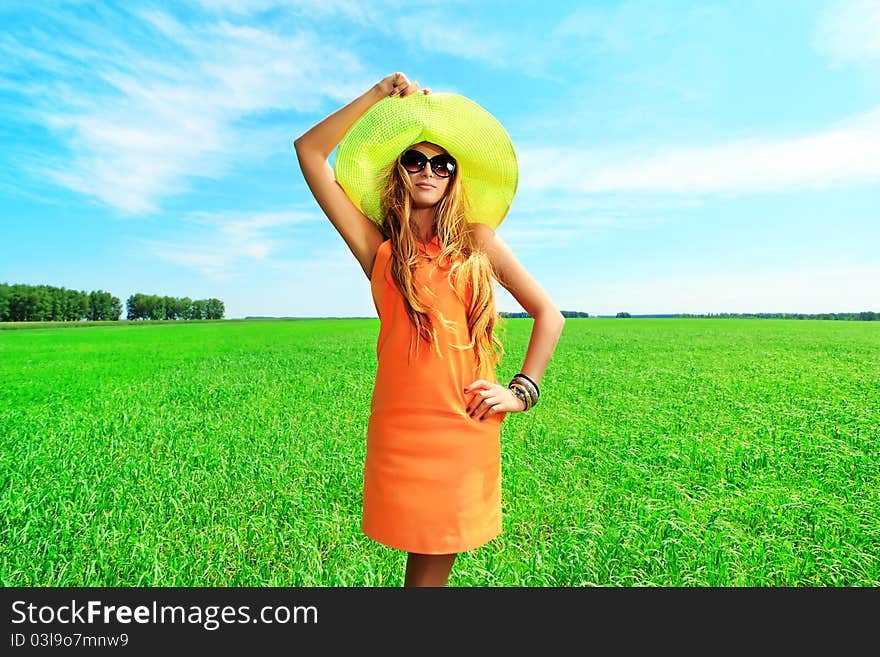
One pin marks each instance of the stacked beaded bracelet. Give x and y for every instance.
(520, 393)
(525, 389)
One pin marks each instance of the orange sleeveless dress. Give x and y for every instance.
(432, 474)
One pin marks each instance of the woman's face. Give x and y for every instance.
(428, 187)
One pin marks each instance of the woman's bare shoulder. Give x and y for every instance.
(483, 232)
(487, 239)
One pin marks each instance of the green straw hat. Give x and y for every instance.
(478, 142)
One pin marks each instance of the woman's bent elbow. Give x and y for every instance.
(301, 144)
(552, 316)
(308, 153)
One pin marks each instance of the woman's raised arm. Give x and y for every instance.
(313, 147)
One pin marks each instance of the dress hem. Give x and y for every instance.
(421, 550)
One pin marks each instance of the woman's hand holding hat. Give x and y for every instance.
(397, 84)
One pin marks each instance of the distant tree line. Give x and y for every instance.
(47, 303)
(565, 313)
(865, 316)
(151, 306)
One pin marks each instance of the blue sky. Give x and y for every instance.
(674, 156)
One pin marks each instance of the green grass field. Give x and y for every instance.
(662, 453)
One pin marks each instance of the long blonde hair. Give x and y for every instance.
(469, 266)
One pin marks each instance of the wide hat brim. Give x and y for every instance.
(478, 142)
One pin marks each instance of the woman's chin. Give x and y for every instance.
(422, 203)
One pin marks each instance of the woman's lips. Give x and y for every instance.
(425, 186)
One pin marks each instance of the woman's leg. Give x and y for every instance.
(428, 569)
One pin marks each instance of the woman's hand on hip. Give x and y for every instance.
(491, 398)
(397, 84)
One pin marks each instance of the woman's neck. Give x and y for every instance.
(424, 219)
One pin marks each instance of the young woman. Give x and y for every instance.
(419, 184)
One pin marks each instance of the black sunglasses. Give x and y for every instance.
(442, 165)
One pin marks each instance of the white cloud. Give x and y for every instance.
(222, 245)
(543, 221)
(457, 38)
(619, 28)
(850, 31)
(843, 155)
(353, 9)
(245, 7)
(546, 233)
(140, 118)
